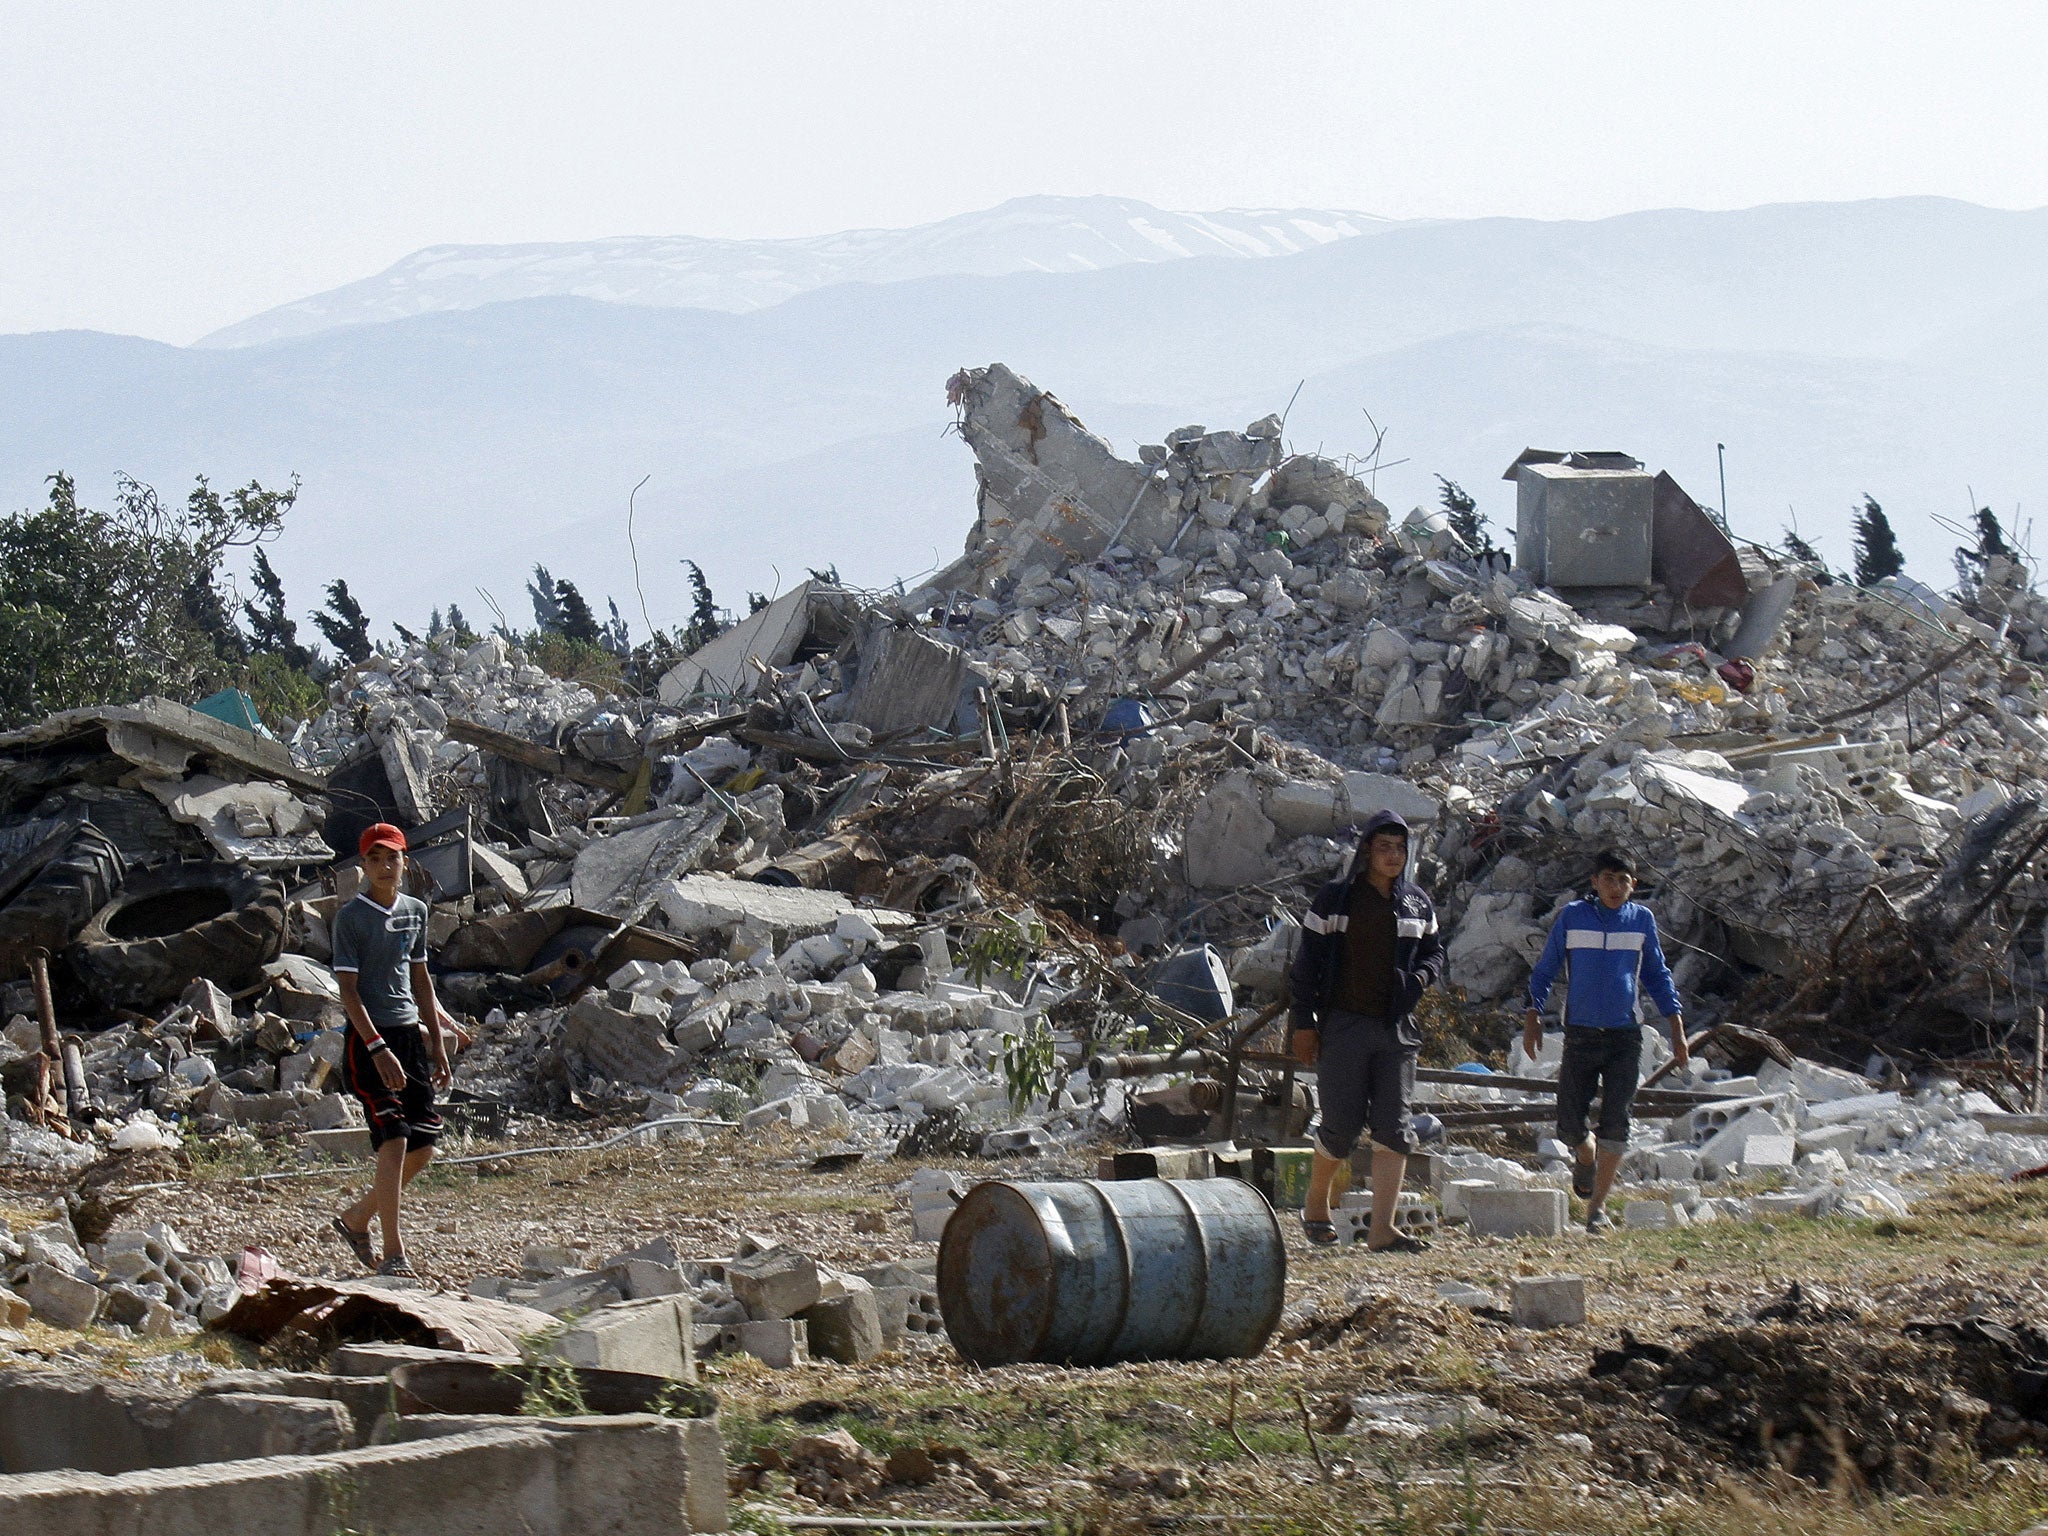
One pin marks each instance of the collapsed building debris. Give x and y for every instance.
(892, 869)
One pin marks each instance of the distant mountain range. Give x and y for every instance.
(1897, 347)
(1026, 234)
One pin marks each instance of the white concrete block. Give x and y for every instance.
(1767, 1154)
(1516, 1212)
(1654, 1216)
(1549, 1301)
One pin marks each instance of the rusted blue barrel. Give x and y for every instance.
(1093, 1271)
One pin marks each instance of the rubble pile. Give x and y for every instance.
(889, 868)
(768, 1300)
(144, 1282)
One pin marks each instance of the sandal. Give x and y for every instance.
(358, 1242)
(396, 1268)
(1582, 1179)
(1401, 1245)
(1320, 1233)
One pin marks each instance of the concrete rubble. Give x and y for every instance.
(883, 870)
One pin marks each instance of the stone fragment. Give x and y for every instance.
(1768, 1154)
(1367, 794)
(625, 1047)
(1654, 1215)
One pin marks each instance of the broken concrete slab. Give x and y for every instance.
(719, 666)
(908, 681)
(62, 1300)
(778, 1283)
(649, 1338)
(1051, 491)
(1516, 1212)
(624, 1046)
(698, 905)
(616, 874)
(780, 1343)
(1367, 794)
(1228, 836)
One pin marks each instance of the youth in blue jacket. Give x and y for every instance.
(1607, 953)
(1608, 949)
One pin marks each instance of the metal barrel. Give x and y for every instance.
(1091, 1272)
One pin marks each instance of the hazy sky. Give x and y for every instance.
(166, 169)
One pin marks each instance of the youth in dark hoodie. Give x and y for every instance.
(1369, 950)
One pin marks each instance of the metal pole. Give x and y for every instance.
(1721, 455)
(2040, 1052)
(46, 1011)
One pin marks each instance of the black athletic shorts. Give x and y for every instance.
(408, 1111)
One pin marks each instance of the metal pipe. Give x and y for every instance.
(46, 1010)
(77, 1096)
(1102, 1069)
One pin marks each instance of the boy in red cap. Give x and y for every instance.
(396, 1054)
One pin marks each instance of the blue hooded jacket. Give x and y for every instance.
(1604, 952)
(1418, 946)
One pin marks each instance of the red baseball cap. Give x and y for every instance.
(382, 835)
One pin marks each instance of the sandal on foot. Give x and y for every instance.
(1582, 1180)
(358, 1242)
(1320, 1233)
(396, 1268)
(1401, 1245)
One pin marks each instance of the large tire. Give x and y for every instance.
(57, 904)
(173, 924)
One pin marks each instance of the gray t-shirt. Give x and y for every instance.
(380, 947)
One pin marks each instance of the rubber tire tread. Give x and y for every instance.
(229, 950)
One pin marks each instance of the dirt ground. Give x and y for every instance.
(1844, 1375)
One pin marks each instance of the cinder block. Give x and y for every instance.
(1723, 1150)
(1549, 1301)
(345, 1144)
(1163, 1163)
(1675, 1163)
(1767, 1154)
(1457, 1191)
(640, 1279)
(1516, 1212)
(781, 1343)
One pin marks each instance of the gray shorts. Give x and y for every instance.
(1365, 1076)
(1602, 1062)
